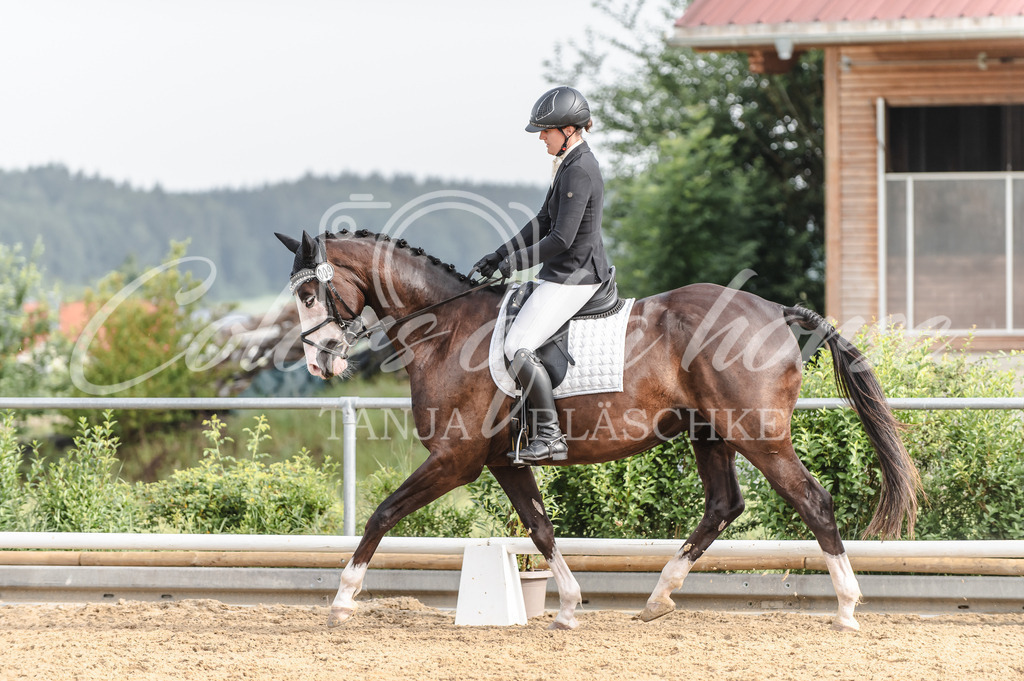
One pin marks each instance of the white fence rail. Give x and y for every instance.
(349, 407)
(90, 541)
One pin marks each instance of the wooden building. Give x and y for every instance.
(924, 146)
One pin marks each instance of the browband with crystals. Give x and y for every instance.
(323, 273)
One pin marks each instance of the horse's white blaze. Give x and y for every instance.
(351, 584)
(672, 577)
(308, 318)
(569, 594)
(847, 590)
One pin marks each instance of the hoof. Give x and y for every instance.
(655, 610)
(845, 625)
(564, 626)
(338, 616)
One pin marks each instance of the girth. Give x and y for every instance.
(554, 353)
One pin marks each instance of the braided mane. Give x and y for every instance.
(399, 243)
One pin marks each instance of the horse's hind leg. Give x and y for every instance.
(521, 488)
(788, 476)
(723, 502)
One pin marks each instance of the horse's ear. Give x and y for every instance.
(289, 243)
(308, 247)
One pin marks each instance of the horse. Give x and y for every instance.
(717, 363)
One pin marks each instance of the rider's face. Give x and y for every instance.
(555, 139)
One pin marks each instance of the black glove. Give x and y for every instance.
(505, 267)
(486, 265)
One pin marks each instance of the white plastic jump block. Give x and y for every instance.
(490, 593)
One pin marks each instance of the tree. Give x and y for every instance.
(684, 218)
(20, 278)
(148, 338)
(26, 361)
(760, 205)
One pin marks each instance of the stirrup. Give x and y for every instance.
(555, 449)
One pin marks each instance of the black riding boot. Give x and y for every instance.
(548, 442)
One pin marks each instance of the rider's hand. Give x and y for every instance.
(486, 265)
(505, 267)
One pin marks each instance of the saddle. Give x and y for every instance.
(554, 353)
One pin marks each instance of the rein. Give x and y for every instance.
(354, 328)
(401, 320)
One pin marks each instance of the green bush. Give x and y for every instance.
(443, 517)
(969, 460)
(224, 494)
(13, 497)
(656, 495)
(498, 518)
(81, 491)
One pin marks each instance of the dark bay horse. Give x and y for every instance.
(718, 364)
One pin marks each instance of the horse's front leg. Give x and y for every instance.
(521, 488)
(434, 478)
(344, 603)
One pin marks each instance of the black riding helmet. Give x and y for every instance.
(558, 108)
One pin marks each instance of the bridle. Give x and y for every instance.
(353, 328)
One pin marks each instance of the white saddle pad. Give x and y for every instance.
(597, 346)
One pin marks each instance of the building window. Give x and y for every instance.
(955, 139)
(953, 227)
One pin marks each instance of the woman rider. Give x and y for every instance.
(565, 238)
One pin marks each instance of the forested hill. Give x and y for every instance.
(90, 226)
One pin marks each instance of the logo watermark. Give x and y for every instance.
(605, 425)
(721, 338)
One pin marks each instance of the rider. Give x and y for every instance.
(564, 237)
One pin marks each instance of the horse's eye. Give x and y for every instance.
(308, 301)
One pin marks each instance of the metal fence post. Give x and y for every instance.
(348, 465)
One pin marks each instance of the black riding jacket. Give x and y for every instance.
(566, 234)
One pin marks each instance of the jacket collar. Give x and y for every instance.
(573, 154)
(571, 157)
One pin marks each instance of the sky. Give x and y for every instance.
(194, 95)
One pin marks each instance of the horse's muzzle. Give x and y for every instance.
(331, 359)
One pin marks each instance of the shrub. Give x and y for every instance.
(81, 491)
(969, 460)
(13, 498)
(441, 518)
(497, 516)
(656, 495)
(248, 495)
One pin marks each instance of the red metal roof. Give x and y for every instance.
(747, 12)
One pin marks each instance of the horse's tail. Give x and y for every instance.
(858, 384)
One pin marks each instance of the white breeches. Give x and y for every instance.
(548, 307)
